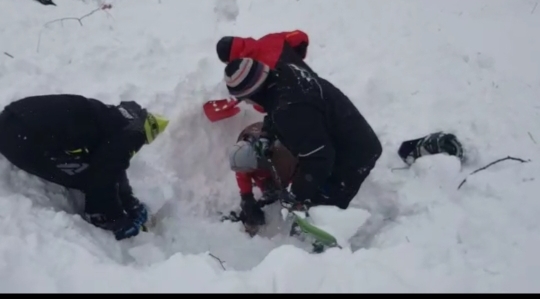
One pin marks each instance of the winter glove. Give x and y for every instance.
(138, 214)
(126, 228)
(430, 145)
(251, 215)
(123, 227)
(289, 202)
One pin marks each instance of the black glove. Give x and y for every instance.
(132, 205)
(252, 215)
(138, 213)
(136, 210)
(123, 227)
(289, 202)
(431, 144)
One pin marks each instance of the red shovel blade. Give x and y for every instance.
(220, 109)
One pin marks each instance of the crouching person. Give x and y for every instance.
(250, 170)
(81, 143)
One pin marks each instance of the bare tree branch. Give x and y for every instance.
(491, 164)
(222, 263)
(399, 168)
(8, 55)
(532, 138)
(103, 7)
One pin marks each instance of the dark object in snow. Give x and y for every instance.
(46, 2)
(431, 144)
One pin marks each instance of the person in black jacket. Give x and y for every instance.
(335, 146)
(83, 144)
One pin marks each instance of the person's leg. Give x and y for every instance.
(344, 184)
(342, 193)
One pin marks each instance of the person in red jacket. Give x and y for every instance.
(250, 171)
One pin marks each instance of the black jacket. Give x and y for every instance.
(319, 125)
(290, 55)
(88, 144)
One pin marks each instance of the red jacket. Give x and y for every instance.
(245, 180)
(259, 177)
(269, 48)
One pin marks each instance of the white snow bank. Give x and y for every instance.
(413, 67)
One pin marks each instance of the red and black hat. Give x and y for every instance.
(245, 77)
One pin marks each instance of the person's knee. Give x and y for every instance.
(378, 149)
(345, 192)
(343, 204)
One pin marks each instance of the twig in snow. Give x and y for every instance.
(532, 138)
(491, 164)
(534, 7)
(219, 260)
(103, 7)
(399, 168)
(8, 55)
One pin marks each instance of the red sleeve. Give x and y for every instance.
(243, 47)
(260, 177)
(244, 183)
(296, 37)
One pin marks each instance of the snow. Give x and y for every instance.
(412, 67)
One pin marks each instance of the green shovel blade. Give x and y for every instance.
(319, 234)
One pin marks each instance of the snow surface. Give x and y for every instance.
(412, 67)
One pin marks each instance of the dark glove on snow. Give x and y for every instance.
(251, 215)
(123, 227)
(127, 227)
(431, 144)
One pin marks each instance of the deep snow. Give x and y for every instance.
(412, 67)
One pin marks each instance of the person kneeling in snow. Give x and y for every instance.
(335, 146)
(249, 168)
(81, 143)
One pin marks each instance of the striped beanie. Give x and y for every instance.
(245, 76)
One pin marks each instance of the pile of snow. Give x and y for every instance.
(412, 67)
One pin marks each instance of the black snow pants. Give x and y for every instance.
(344, 183)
